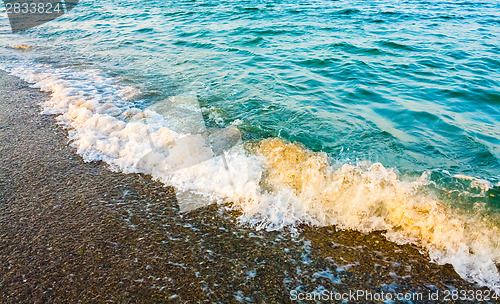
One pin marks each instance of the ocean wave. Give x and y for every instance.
(275, 184)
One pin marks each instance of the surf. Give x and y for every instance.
(275, 184)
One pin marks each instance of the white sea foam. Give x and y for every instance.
(275, 184)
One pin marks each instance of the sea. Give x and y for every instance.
(363, 115)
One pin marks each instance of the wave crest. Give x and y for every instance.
(274, 183)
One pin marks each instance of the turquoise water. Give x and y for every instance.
(413, 85)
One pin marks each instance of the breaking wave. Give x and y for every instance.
(275, 184)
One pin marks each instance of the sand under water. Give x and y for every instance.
(76, 231)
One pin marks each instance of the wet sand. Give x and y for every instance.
(77, 232)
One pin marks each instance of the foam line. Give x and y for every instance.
(274, 183)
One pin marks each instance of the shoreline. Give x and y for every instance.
(74, 231)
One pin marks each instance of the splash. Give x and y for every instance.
(369, 197)
(275, 184)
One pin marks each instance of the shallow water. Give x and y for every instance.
(410, 85)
